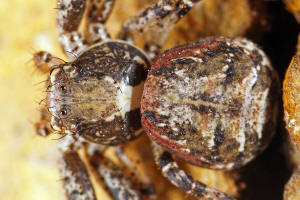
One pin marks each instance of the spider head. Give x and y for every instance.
(80, 103)
(75, 99)
(61, 99)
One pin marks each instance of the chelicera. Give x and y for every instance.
(95, 98)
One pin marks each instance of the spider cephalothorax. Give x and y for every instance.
(97, 96)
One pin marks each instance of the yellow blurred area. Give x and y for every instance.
(27, 162)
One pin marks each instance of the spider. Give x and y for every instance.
(93, 101)
(95, 98)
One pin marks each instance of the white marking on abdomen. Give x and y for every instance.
(251, 79)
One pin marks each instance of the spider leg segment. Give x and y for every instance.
(75, 177)
(181, 179)
(98, 12)
(137, 170)
(118, 184)
(43, 127)
(44, 61)
(155, 22)
(69, 17)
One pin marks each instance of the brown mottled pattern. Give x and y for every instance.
(211, 102)
(70, 14)
(84, 95)
(75, 178)
(118, 184)
(116, 59)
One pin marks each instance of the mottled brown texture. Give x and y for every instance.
(211, 102)
(72, 14)
(75, 178)
(119, 184)
(84, 94)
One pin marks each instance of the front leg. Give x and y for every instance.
(181, 179)
(155, 22)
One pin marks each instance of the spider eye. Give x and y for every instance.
(63, 88)
(63, 112)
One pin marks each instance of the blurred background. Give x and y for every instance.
(28, 167)
(27, 162)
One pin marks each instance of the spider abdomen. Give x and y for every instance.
(211, 102)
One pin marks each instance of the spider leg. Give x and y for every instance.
(137, 170)
(69, 16)
(181, 179)
(43, 127)
(98, 12)
(155, 22)
(75, 177)
(44, 61)
(118, 184)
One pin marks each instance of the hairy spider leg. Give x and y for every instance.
(44, 61)
(119, 185)
(136, 169)
(183, 180)
(98, 12)
(155, 22)
(75, 177)
(69, 17)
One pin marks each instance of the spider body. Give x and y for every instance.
(97, 96)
